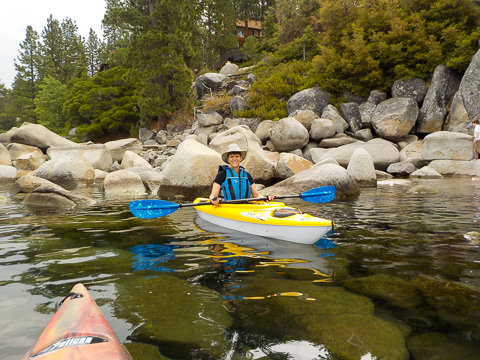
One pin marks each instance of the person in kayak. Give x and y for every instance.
(234, 181)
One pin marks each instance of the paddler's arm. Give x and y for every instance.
(214, 199)
(256, 194)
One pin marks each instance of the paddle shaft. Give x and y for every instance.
(240, 201)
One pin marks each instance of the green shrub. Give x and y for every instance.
(274, 86)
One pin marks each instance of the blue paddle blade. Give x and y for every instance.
(150, 209)
(319, 195)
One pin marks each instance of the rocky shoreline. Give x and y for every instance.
(421, 132)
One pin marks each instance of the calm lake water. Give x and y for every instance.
(400, 278)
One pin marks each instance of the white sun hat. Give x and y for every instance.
(233, 148)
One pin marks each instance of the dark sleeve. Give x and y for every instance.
(220, 178)
(250, 178)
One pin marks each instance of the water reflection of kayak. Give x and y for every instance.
(78, 330)
(274, 252)
(272, 220)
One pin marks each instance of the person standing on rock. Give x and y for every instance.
(476, 138)
(233, 180)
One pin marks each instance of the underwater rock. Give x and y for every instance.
(457, 303)
(342, 321)
(352, 336)
(150, 306)
(392, 290)
(473, 237)
(144, 351)
(435, 346)
(423, 190)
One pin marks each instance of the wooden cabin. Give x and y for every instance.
(253, 28)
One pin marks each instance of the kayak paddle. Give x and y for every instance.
(150, 209)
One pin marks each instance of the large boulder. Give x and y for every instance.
(290, 164)
(191, 171)
(458, 119)
(151, 178)
(403, 168)
(30, 161)
(376, 97)
(394, 118)
(413, 88)
(7, 174)
(39, 136)
(131, 159)
(228, 69)
(456, 168)
(49, 200)
(208, 83)
(330, 112)
(445, 83)
(238, 103)
(309, 99)
(252, 123)
(305, 117)
(68, 170)
(318, 175)
(470, 87)
(382, 152)
(208, 119)
(426, 173)
(96, 154)
(256, 162)
(289, 134)
(337, 141)
(49, 190)
(145, 134)
(5, 158)
(351, 113)
(413, 153)
(5, 138)
(366, 111)
(362, 169)
(123, 183)
(118, 147)
(18, 150)
(263, 130)
(445, 145)
(28, 183)
(26, 157)
(322, 129)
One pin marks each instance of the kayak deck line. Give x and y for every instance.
(259, 218)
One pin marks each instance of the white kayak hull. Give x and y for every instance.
(296, 234)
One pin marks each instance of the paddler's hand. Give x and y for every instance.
(214, 200)
(270, 197)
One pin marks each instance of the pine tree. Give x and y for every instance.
(74, 62)
(52, 49)
(25, 86)
(93, 49)
(164, 33)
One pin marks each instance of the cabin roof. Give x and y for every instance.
(252, 24)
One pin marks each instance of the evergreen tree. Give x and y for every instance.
(217, 29)
(63, 51)
(162, 51)
(93, 48)
(52, 50)
(74, 62)
(104, 104)
(49, 103)
(25, 86)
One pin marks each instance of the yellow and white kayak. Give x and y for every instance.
(272, 220)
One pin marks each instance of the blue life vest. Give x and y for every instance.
(235, 186)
